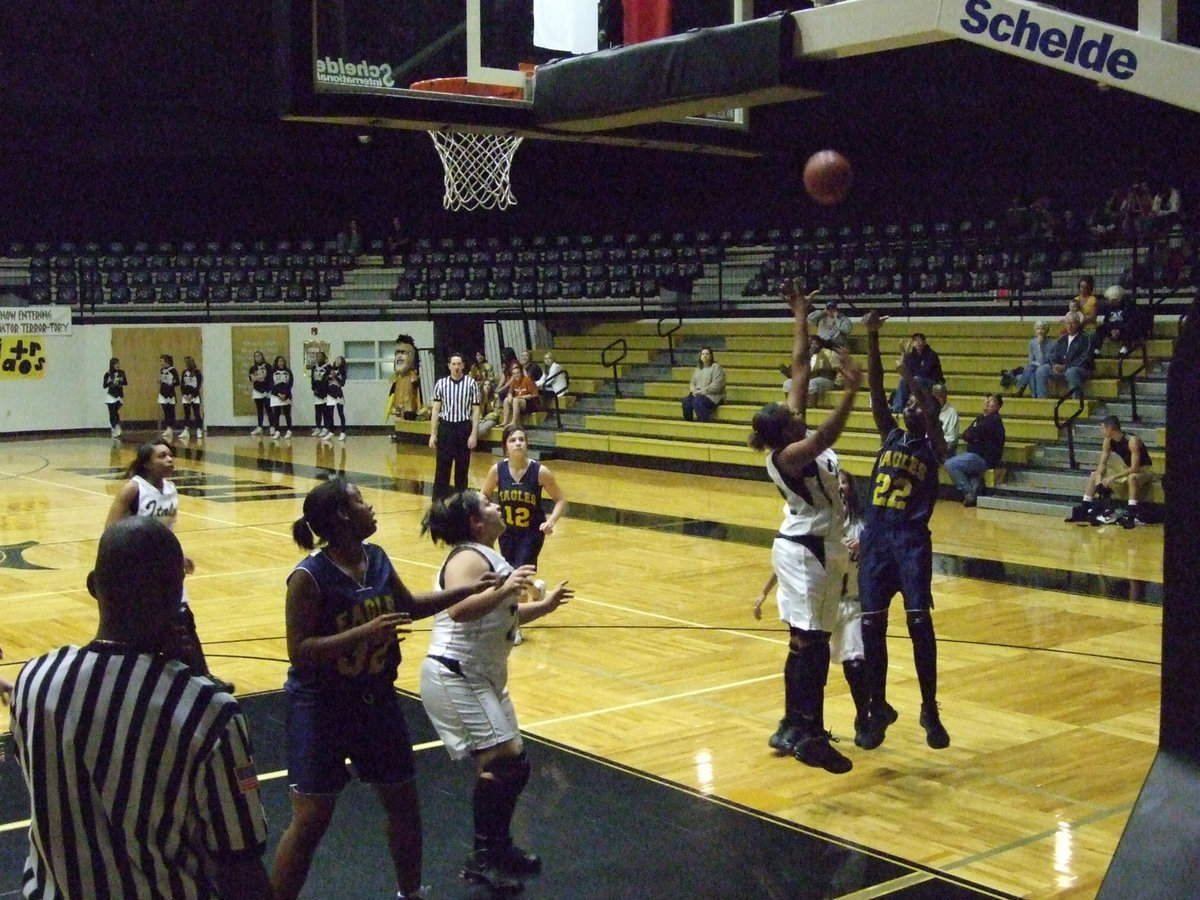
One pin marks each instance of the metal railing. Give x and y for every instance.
(605, 361)
(668, 334)
(1069, 422)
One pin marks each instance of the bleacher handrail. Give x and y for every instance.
(604, 361)
(668, 334)
(1069, 423)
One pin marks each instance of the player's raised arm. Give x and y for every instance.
(800, 304)
(797, 455)
(884, 420)
(930, 410)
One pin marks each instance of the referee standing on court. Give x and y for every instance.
(455, 424)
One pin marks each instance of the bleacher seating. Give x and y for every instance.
(651, 425)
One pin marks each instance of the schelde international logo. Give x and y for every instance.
(1090, 49)
(360, 74)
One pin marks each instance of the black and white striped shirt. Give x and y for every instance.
(139, 775)
(456, 398)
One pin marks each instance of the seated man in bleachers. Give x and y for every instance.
(1124, 460)
(831, 326)
(984, 439)
(925, 365)
(1070, 359)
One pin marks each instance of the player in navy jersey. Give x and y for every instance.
(896, 548)
(517, 484)
(346, 612)
(808, 555)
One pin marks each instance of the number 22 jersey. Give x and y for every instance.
(904, 483)
(346, 604)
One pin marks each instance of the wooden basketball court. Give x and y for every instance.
(1049, 639)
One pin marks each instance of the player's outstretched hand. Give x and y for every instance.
(873, 320)
(559, 595)
(518, 580)
(387, 627)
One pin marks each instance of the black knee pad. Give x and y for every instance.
(919, 619)
(512, 772)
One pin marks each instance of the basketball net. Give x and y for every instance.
(477, 169)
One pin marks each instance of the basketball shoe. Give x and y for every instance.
(482, 867)
(816, 750)
(936, 735)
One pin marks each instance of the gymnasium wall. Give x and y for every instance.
(68, 396)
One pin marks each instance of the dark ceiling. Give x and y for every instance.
(164, 120)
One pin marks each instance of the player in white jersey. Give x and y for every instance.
(464, 679)
(808, 555)
(150, 492)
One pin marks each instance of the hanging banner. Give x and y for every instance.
(22, 356)
(25, 320)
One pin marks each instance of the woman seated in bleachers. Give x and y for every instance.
(707, 389)
(522, 397)
(1039, 354)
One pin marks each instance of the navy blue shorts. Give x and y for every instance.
(895, 560)
(323, 732)
(521, 547)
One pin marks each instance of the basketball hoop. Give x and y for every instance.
(477, 169)
(476, 164)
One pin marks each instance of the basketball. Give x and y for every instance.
(827, 177)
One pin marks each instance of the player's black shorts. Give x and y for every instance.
(895, 560)
(323, 732)
(522, 546)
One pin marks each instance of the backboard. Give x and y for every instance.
(354, 61)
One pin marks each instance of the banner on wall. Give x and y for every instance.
(22, 356)
(35, 320)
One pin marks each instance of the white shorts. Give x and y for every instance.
(845, 641)
(469, 713)
(276, 402)
(809, 593)
(259, 395)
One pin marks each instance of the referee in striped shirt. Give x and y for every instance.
(140, 773)
(455, 425)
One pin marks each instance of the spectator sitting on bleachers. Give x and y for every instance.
(985, 448)
(1089, 303)
(1123, 321)
(1070, 359)
(707, 388)
(553, 380)
(1039, 354)
(532, 369)
(948, 416)
(926, 368)
(824, 368)
(485, 378)
(832, 327)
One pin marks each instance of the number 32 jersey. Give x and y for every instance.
(904, 484)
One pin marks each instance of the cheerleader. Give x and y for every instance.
(190, 381)
(260, 389)
(168, 384)
(335, 401)
(318, 380)
(114, 394)
(282, 381)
